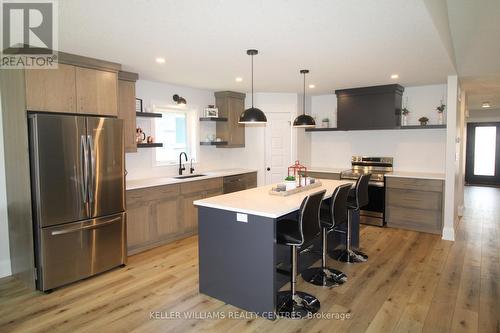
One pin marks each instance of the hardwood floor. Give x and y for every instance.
(413, 282)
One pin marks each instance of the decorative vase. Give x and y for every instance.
(325, 124)
(440, 118)
(423, 123)
(404, 120)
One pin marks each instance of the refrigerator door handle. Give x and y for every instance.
(87, 227)
(85, 166)
(92, 170)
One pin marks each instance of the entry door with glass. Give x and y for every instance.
(482, 165)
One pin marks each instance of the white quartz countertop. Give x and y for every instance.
(159, 181)
(258, 201)
(421, 175)
(401, 174)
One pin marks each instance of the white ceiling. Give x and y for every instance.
(343, 43)
(475, 30)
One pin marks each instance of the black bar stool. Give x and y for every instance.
(295, 233)
(335, 214)
(358, 197)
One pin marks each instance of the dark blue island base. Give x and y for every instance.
(241, 264)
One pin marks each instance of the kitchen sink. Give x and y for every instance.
(188, 176)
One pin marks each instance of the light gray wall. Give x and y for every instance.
(4, 233)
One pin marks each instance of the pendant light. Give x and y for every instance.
(304, 120)
(252, 115)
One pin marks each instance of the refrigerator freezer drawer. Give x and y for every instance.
(77, 250)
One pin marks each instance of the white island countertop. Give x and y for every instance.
(258, 201)
(160, 181)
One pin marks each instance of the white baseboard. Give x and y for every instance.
(448, 234)
(5, 268)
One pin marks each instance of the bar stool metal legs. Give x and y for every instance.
(349, 255)
(296, 304)
(324, 276)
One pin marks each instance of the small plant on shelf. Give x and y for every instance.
(325, 122)
(290, 179)
(423, 121)
(441, 108)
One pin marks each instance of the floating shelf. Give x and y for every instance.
(213, 143)
(213, 119)
(333, 129)
(149, 145)
(148, 115)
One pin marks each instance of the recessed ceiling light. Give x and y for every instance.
(486, 105)
(312, 86)
(238, 79)
(160, 60)
(394, 76)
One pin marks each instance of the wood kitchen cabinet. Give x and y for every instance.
(161, 214)
(96, 92)
(239, 182)
(230, 104)
(51, 90)
(126, 108)
(414, 204)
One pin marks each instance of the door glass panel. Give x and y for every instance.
(484, 151)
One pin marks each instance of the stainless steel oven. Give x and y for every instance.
(373, 213)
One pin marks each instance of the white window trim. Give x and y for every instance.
(193, 131)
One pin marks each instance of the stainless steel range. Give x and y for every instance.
(373, 213)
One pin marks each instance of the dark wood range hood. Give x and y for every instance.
(367, 108)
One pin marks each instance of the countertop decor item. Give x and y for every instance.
(252, 115)
(440, 109)
(298, 171)
(404, 114)
(178, 99)
(211, 111)
(279, 191)
(290, 183)
(423, 121)
(138, 105)
(304, 120)
(325, 123)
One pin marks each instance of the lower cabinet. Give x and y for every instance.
(414, 204)
(161, 214)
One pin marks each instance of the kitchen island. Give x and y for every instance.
(237, 245)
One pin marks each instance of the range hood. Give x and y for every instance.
(367, 108)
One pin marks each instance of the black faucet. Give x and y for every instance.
(181, 167)
(191, 169)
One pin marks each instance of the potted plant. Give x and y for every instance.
(325, 123)
(423, 121)
(404, 116)
(290, 183)
(440, 109)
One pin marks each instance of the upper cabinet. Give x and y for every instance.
(79, 85)
(96, 92)
(230, 104)
(126, 108)
(51, 90)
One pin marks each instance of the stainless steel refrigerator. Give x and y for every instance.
(77, 179)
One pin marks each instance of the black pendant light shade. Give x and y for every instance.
(304, 120)
(252, 115)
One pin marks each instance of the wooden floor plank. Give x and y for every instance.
(412, 282)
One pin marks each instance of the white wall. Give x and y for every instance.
(4, 233)
(140, 165)
(483, 116)
(453, 140)
(413, 150)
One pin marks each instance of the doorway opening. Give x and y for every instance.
(482, 160)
